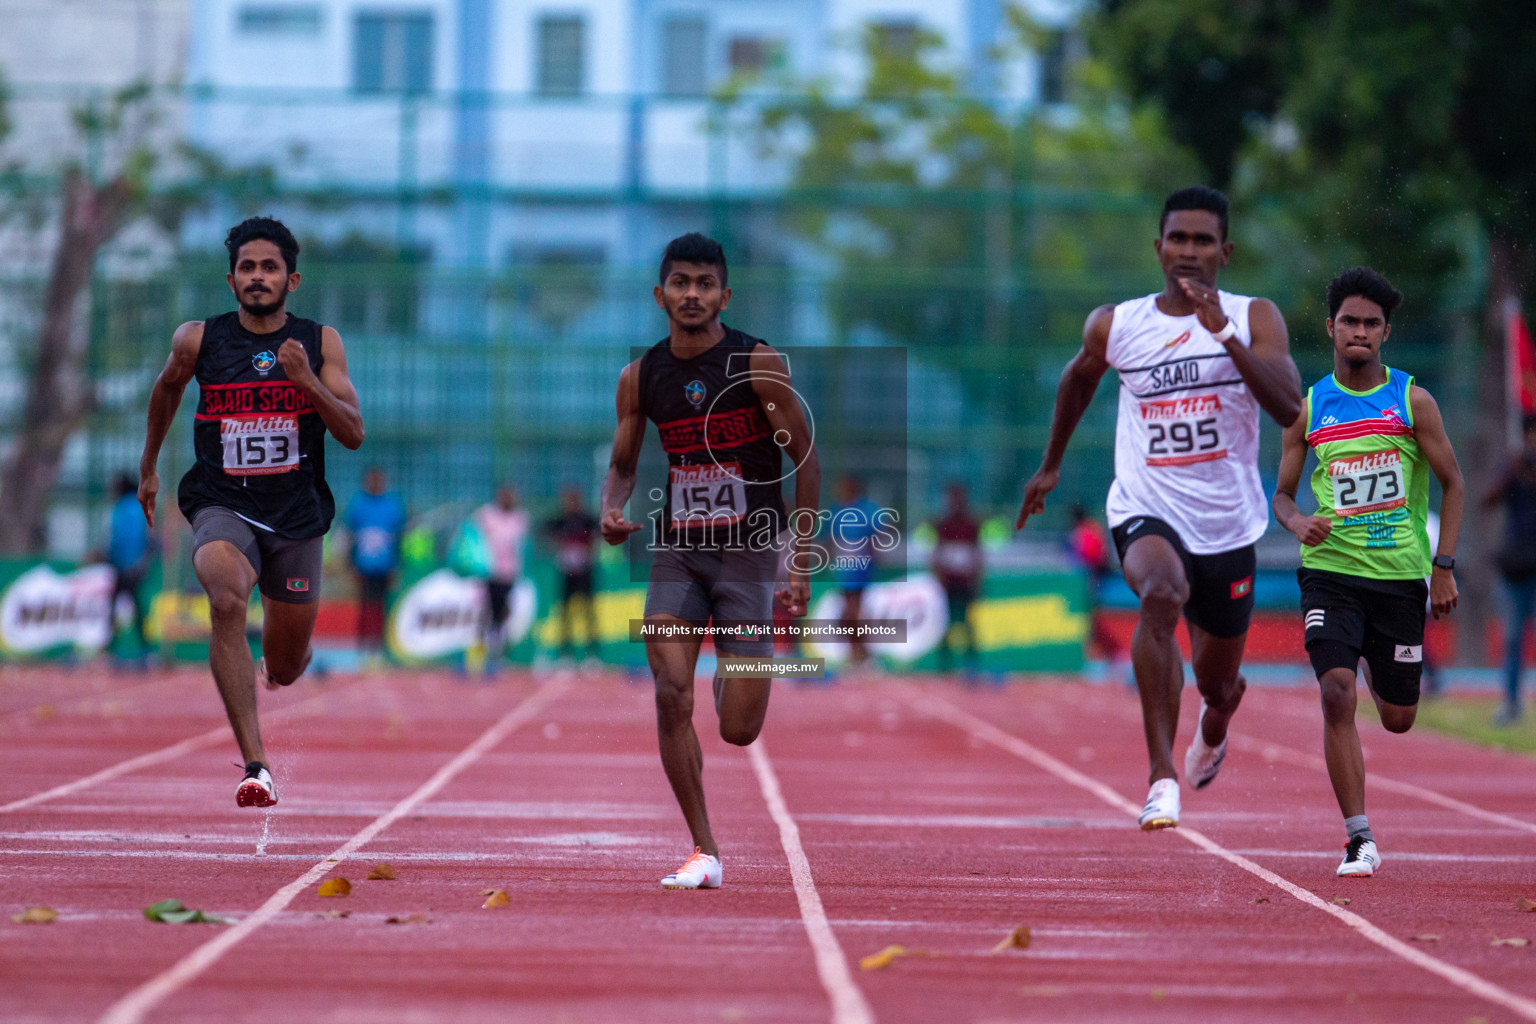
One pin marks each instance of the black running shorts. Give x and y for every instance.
(286, 569)
(731, 586)
(1353, 617)
(1220, 585)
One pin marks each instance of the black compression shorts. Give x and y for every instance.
(1353, 617)
(1220, 585)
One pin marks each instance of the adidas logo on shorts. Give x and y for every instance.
(1315, 618)
(1404, 652)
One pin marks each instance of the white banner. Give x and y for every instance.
(44, 609)
(442, 613)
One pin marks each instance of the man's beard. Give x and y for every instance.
(262, 308)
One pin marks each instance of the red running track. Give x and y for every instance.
(927, 816)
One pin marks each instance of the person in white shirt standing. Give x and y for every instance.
(504, 528)
(1196, 366)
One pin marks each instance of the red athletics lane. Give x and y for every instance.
(918, 831)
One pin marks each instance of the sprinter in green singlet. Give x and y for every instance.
(1365, 553)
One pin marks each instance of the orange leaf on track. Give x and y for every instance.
(1342, 901)
(335, 887)
(36, 915)
(1019, 938)
(883, 959)
(497, 898)
(382, 872)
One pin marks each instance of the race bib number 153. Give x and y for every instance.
(258, 445)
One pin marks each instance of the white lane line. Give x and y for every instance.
(848, 1003)
(1273, 751)
(1462, 979)
(1290, 755)
(131, 1008)
(208, 739)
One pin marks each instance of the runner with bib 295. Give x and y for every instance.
(1196, 367)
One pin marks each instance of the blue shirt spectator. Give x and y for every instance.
(129, 541)
(376, 518)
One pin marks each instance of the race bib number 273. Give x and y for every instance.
(1367, 483)
(258, 445)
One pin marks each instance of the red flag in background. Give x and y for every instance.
(1520, 367)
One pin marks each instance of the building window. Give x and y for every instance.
(683, 71)
(561, 55)
(1054, 67)
(755, 55)
(897, 38)
(279, 19)
(393, 52)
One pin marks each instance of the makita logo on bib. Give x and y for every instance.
(1181, 408)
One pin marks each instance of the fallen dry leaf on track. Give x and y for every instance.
(1019, 938)
(1159, 993)
(1511, 942)
(1262, 899)
(337, 886)
(382, 872)
(1425, 938)
(883, 959)
(495, 898)
(1342, 901)
(36, 915)
(1525, 904)
(408, 919)
(173, 912)
(333, 913)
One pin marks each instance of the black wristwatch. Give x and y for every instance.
(1443, 562)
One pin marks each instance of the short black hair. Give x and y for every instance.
(268, 228)
(1196, 197)
(1366, 283)
(693, 248)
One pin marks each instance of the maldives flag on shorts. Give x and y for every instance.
(1520, 360)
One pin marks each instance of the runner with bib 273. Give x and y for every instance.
(1196, 366)
(1365, 552)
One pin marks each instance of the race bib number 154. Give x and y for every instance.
(709, 495)
(258, 445)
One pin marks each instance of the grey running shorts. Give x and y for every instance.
(728, 586)
(286, 570)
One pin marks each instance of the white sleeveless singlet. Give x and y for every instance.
(1187, 438)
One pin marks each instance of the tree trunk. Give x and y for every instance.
(1477, 574)
(60, 393)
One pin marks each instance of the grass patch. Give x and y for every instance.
(1470, 718)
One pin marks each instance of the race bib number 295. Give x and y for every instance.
(258, 445)
(1183, 431)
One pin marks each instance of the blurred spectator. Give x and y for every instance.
(1515, 489)
(1089, 545)
(852, 533)
(375, 518)
(574, 532)
(504, 528)
(129, 552)
(957, 564)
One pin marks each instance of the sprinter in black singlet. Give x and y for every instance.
(726, 411)
(270, 385)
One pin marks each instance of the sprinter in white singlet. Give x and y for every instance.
(1196, 366)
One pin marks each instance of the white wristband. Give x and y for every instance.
(1227, 331)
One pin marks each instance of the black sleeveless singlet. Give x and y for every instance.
(725, 472)
(259, 442)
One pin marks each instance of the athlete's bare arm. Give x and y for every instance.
(771, 382)
(1310, 530)
(619, 484)
(1429, 431)
(1265, 365)
(1075, 391)
(164, 400)
(331, 391)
